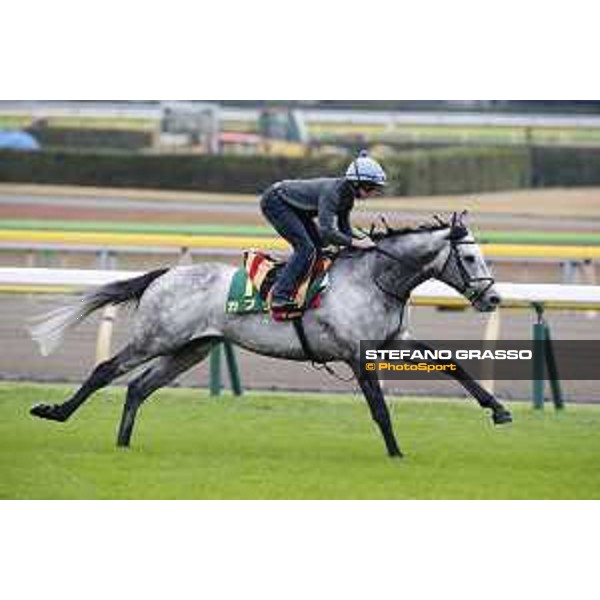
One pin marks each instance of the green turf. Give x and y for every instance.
(491, 237)
(292, 446)
(461, 134)
(374, 132)
(25, 120)
(130, 227)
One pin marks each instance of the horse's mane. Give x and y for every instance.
(435, 225)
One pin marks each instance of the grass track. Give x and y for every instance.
(292, 446)
(218, 229)
(374, 132)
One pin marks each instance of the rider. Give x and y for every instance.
(291, 205)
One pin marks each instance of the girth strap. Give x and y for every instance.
(299, 327)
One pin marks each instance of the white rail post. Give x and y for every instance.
(185, 257)
(106, 261)
(105, 329)
(589, 277)
(491, 335)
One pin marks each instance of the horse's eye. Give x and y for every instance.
(470, 259)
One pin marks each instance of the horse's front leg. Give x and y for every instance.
(369, 384)
(500, 414)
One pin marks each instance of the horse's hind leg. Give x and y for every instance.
(165, 370)
(103, 374)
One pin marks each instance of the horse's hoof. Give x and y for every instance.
(396, 455)
(502, 417)
(47, 411)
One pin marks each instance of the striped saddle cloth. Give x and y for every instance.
(251, 284)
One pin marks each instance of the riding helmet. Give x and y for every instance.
(364, 169)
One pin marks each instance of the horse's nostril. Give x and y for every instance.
(495, 299)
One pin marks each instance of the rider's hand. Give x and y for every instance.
(363, 243)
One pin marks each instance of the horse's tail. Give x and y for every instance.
(51, 327)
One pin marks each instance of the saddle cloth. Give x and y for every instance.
(251, 284)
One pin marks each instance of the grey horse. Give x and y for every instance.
(181, 314)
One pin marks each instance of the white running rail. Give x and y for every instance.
(571, 297)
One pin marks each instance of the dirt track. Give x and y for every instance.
(74, 360)
(552, 210)
(543, 210)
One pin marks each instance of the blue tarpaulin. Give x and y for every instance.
(18, 140)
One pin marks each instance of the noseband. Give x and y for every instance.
(467, 280)
(455, 238)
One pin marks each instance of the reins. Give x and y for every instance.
(457, 232)
(401, 261)
(472, 295)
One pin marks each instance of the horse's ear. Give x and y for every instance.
(453, 224)
(458, 229)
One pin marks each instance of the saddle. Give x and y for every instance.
(250, 290)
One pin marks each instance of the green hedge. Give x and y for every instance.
(458, 170)
(91, 138)
(565, 166)
(244, 174)
(411, 173)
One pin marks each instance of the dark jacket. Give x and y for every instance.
(331, 199)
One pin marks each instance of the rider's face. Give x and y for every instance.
(368, 192)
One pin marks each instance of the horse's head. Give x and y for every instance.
(462, 266)
(444, 251)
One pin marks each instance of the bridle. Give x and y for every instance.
(456, 238)
(409, 282)
(467, 280)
